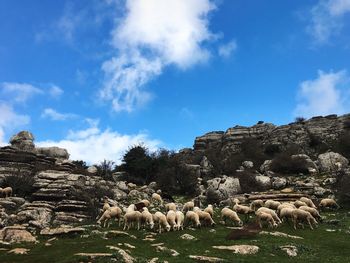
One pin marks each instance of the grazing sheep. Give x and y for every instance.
(312, 211)
(160, 218)
(271, 212)
(192, 217)
(284, 205)
(147, 218)
(272, 204)
(299, 203)
(170, 206)
(112, 212)
(209, 209)
(302, 216)
(106, 205)
(157, 198)
(145, 202)
(131, 208)
(262, 216)
(171, 218)
(227, 213)
(179, 220)
(132, 217)
(188, 206)
(328, 202)
(307, 201)
(256, 204)
(7, 191)
(286, 212)
(242, 209)
(205, 217)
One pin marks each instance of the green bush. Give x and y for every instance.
(285, 164)
(21, 184)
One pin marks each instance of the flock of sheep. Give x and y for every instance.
(270, 212)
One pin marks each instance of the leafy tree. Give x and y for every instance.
(105, 169)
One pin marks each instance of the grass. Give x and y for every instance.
(318, 245)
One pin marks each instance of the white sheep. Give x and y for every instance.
(255, 204)
(299, 203)
(145, 202)
(106, 205)
(227, 213)
(209, 209)
(271, 212)
(286, 212)
(112, 212)
(328, 202)
(242, 209)
(170, 206)
(267, 218)
(272, 204)
(171, 218)
(160, 219)
(130, 208)
(188, 206)
(302, 216)
(312, 211)
(307, 201)
(132, 217)
(205, 217)
(284, 205)
(192, 217)
(179, 220)
(147, 218)
(7, 191)
(157, 198)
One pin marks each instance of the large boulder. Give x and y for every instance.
(54, 152)
(16, 234)
(263, 181)
(23, 140)
(279, 183)
(331, 162)
(266, 166)
(224, 187)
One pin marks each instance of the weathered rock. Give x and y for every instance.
(224, 187)
(126, 257)
(19, 251)
(331, 162)
(23, 141)
(248, 164)
(206, 259)
(16, 234)
(291, 251)
(187, 237)
(279, 182)
(279, 234)
(53, 152)
(240, 249)
(266, 166)
(92, 170)
(263, 181)
(61, 231)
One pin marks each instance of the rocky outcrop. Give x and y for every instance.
(23, 140)
(53, 152)
(224, 187)
(332, 162)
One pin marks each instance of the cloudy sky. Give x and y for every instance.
(98, 76)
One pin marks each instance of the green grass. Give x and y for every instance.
(317, 246)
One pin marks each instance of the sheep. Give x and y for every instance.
(256, 204)
(196, 208)
(106, 205)
(272, 204)
(171, 218)
(286, 212)
(271, 212)
(242, 209)
(192, 217)
(227, 213)
(145, 202)
(307, 201)
(7, 191)
(312, 211)
(131, 208)
(284, 205)
(112, 212)
(188, 206)
(262, 216)
(209, 209)
(160, 218)
(205, 217)
(301, 215)
(157, 198)
(147, 218)
(132, 217)
(179, 220)
(328, 202)
(299, 203)
(170, 206)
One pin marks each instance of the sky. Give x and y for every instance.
(97, 77)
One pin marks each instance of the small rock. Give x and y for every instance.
(206, 259)
(128, 245)
(19, 251)
(291, 251)
(279, 234)
(240, 249)
(187, 237)
(93, 255)
(126, 257)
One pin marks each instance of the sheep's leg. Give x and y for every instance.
(308, 220)
(295, 223)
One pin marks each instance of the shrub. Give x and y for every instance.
(342, 145)
(300, 119)
(21, 184)
(272, 149)
(105, 169)
(285, 164)
(343, 186)
(80, 167)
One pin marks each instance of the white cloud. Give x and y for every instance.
(57, 116)
(324, 95)
(19, 92)
(55, 91)
(227, 49)
(327, 19)
(152, 35)
(94, 145)
(10, 120)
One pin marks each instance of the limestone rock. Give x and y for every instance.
(240, 249)
(206, 259)
(54, 152)
(332, 162)
(291, 251)
(187, 237)
(224, 187)
(61, 231)
(248, 164)
(263, 181)
(279, 183)
(92, 170)
(16, 234)
(23, 141)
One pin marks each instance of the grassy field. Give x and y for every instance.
(328, 243)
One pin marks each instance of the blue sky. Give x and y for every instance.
(98, 76)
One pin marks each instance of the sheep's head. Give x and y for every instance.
(240, 223)
(151, 225)
(168, 227)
